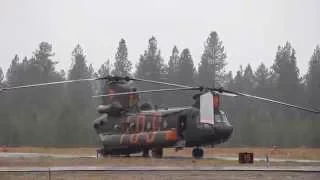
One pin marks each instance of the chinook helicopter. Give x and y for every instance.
(127, 127)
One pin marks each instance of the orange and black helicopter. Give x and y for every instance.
(127, 127)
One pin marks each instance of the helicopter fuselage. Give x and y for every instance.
(174, 127)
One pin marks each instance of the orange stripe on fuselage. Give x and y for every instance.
(171, 135)
(150, 137)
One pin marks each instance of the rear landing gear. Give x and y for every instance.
(197, 153)
(145, 153)
(157, 152)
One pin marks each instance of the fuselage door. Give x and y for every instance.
(181, 126)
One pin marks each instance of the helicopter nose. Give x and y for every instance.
(224, 132)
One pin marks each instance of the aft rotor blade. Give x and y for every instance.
(160, 82)
(147, 91)
(226, 94)
(266, 99)
(46, 84)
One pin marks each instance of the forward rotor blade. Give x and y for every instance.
(46, 84)
(160, 82)
(266, 99)
(147, 91)
(107, 78)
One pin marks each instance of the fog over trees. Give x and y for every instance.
(63, 114)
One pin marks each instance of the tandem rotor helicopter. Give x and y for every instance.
(126, 127)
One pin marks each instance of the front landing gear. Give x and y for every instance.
(197, 153)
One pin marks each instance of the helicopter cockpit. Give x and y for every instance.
(221, 118)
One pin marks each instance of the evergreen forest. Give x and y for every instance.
(62, 115)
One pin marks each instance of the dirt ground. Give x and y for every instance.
(110, 161)
(274, 152)
(163, 176)
(171, 158)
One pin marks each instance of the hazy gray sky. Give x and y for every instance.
(250, 29)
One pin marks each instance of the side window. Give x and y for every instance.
(182, 122)
(164, 123)
(148, 125)
(131, 124)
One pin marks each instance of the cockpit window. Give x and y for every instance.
(225, 119)
(221, 118)
(218, 118)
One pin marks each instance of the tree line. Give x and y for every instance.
(63, 115)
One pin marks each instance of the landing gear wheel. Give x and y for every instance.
(157, 152)
(145, 153)
(197, 153)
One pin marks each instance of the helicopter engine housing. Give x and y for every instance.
(113, 109)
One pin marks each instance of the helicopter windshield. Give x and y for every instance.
(221, 117)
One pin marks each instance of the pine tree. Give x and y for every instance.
(43, 59)
(313, 78)
(81, 110)
(12, 73)
(173, 64)
(262, 75)
(79, 93)
(238, 79)
(213, 61)
(1, 76)
(263, 87)
(79, 68)
(150, 64)
(287, 87)
(151, 67)
(185, 76)
(122, 66)
(35, 107)
(313, 89)
(104, 69)
(5, 124)
(248, 79)
(234, 107)
(185, 68)
(287, 73)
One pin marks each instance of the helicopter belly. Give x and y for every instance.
(143, 139)
(207, 134)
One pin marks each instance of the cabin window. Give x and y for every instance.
(132, 127)
(149, 125)
(164, 124)
(116, 127)
(131, 124)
